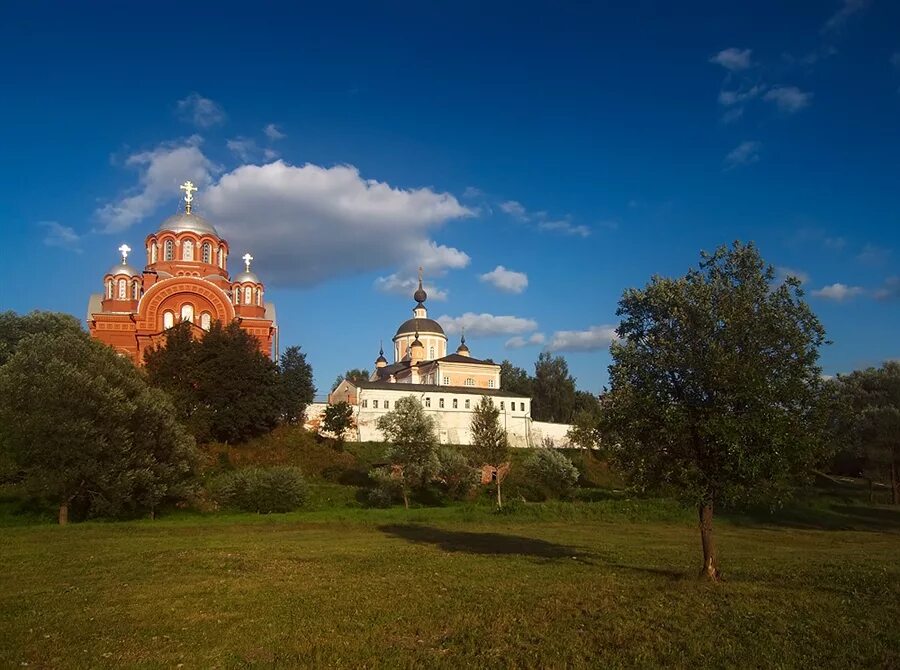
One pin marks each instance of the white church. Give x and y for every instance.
(449, 387)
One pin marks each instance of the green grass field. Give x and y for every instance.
(605, 584)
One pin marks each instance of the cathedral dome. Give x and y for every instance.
(123, 269)
(411, 326)
(246, 276)
(188, 222)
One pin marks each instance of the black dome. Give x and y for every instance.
(412, 326)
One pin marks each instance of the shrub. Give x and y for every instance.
(278, 489)
(456, 476)
(552, 471)
(386, 487)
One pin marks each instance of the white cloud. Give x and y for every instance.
(518, 341)
(486, 325)
(730, 98)
(838, 292)
(542, 221)
(202, 112)
(890, 290)
(788, 99)
(243, 147)
(515, 209)
(161, 171)
(509, 281)
(733, 59)
(61, 236)
(565, 227)
(592, 339)
(873, 255)
(782, 273)
(473, 192)
(395, 283)
(306, 224)
(273, 133)
(848, 8)
(745, 153)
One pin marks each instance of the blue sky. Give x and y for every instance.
(583, 148)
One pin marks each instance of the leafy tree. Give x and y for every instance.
(555, 473)
(515, 379)
(354, 375)
(490, 445)
(455, 473)
(14, 328)
(866, 416)
(554, 396)
(83, 428)
(262, 490)
(413, 439)
(337, 419)
(224, 387)
(714, 386)
(297, 387)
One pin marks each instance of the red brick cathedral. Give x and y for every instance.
(186, 279)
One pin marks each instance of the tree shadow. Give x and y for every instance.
(826, 517)
(487, 544)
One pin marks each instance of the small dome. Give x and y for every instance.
(185, 222)
(462, 348)
(246, 276)
(420, 296)
(123, 269)
(416, 344)
(411, 326)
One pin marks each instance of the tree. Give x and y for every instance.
(354, 375)
(714, 386)
(83, 428)
(413, 438)
(555, 473)
(297, 387)
(337, 419)
(490, 445)
(515, 379)
(866, 417)
(224, 387)
(14, 328)
(553, 396)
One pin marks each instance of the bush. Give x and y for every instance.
(456, 476)
(278, 489)
(552, 471)
(386, 487)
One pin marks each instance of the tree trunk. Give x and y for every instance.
(871, 491)
(499, 499)
(405, 498)
(64, 513)
(895, 484)
(710, 568)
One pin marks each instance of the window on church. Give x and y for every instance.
(109, 289)
(468, 404)
(470, 382)
(248, 295)
(187, 313)
(237, 295)
(153, 248)
(123, 289)
(365, 403)
(187, 250)
(427, 402)
(455, 403)
(446, 381)
(168, 320)
(258, 298)
(522, 406)
(135, 289)
(207, 253)
(169, 250)
(441, 403)
(205, 320)
(387, 404)
(490, 383)
(375, 404)
(501, 405)
(431, 353)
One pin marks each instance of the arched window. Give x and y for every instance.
(207, 253)
(135, 289)
(248, 295)
(187, 313)
(153, 248)
(109, 288)
(258, 298)
(431, 353)
(205, 320)
(168, 320)
(169, 250)
(237, 295)
(221, 257)
(187, 250)
(123, 289)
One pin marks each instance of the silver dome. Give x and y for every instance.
(184, 222)
(123, 269)
(246, 276)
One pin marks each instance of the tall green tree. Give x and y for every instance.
(83, 428)
(554, 397)
(515, 379)
(297, 387)
(714, 386)
(412, 435)
(490, 445)
(14, 328)
(225, 388)
(337, 419)
(354, 375)
(867, 421)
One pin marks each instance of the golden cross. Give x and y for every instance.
(124, 250)
(247, 258)
(188, 188)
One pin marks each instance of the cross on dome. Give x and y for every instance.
(124, 250)
(188, 188)
(247, 258)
